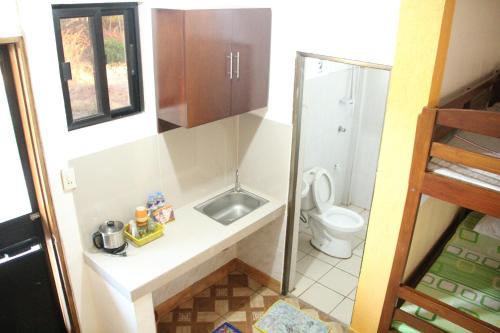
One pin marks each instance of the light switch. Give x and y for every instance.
(68, 179)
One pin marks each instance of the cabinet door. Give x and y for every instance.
(251, 44)
(208, 46)
(169, 70)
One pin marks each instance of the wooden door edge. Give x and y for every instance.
(60, 276)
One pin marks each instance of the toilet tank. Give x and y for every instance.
(307, 201)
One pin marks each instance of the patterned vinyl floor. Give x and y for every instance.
(236, 299)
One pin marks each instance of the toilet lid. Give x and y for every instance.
(323, 191)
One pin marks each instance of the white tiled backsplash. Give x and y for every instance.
(264, 160)
(264, 148)
(185, 164)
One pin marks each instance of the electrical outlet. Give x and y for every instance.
(68, 179)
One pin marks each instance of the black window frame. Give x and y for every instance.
(133, 53)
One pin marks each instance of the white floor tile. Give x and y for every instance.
(361, 234)
(343, 312)
(355, 241)
(321, 298)
(366, 215)
(301, 284)
(359, 250)
(352, 295)
(305, 242)
(355, 208)
(351, 265)
(313, 268)
(339, 281)
(304, 227)
(300, 255)
(324, 257)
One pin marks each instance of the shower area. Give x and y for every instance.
(342, 119)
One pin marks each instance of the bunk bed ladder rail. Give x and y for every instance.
(460, 193)
(443, 310)
(421, 149)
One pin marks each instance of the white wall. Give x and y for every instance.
(474, 49)
(349, 29)
(9, 20)
(322, 115)
(374, 88)
(360, 30)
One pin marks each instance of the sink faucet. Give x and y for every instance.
(237, 185)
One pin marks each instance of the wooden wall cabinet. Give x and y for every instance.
(210, 64)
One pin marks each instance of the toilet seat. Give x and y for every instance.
(323, 190)
(339, 219)
(332, 226)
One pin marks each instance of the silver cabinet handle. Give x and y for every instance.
(238, 65)
(230, 56)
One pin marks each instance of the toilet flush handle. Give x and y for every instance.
(341, 129)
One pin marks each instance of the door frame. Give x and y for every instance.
(290, 254)
(52, 238)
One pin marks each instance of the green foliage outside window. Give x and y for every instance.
(115, 50)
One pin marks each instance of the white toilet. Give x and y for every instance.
(332, 226)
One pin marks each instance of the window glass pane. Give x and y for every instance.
(13, 192)
(113, 28)
(79, 52)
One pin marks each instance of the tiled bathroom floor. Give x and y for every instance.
(329, 283)
(236, 299)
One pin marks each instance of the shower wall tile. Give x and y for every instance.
(344, 139)
(371, 123)
(322, 116)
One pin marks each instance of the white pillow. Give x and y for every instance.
(489, 226)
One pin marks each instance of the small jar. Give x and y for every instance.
(151, 225)
(141, 220)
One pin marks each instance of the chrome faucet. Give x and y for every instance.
(237, 185)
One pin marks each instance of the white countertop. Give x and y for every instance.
(187, 242)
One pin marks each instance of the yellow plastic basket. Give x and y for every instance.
(146, 239)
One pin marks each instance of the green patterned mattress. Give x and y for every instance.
(466, 276)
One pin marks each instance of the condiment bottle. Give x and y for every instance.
(141, 220)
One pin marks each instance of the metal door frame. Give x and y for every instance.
(294, 160)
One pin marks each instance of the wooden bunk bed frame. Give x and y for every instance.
(433, 124)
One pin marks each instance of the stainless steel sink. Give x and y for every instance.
(230, 206)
